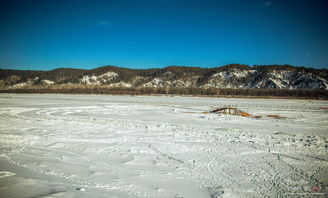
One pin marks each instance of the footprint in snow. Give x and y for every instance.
(81, 189)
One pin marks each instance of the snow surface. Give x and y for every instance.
(124, 146)
(47, 82)
(97, 80)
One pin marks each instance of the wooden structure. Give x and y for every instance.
(230, 111)
(235, 111)
(276, 116)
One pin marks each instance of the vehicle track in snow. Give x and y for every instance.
(140, 149)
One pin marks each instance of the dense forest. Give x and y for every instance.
(215, 92)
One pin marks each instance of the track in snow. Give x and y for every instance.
(100, 146)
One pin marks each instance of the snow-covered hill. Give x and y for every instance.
(230, 76)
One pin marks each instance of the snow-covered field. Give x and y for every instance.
(123, 146)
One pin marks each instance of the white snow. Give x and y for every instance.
(157, 82)
(228, 79)
(124, 146)
(120, 84)
(227, 75)
(47, 82)
(97, 80)
(23, 84)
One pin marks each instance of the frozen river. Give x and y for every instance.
(161, 147)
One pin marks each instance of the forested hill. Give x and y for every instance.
(229, 76)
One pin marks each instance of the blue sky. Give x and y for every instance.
(47, 34)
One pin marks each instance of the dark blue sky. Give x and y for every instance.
(47, 34)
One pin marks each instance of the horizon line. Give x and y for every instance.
(144, 68)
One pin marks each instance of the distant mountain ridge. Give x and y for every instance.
(228, 76)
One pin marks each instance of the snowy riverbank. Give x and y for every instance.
(123, 146)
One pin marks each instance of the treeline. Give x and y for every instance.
(218, 92)
(69, 75)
